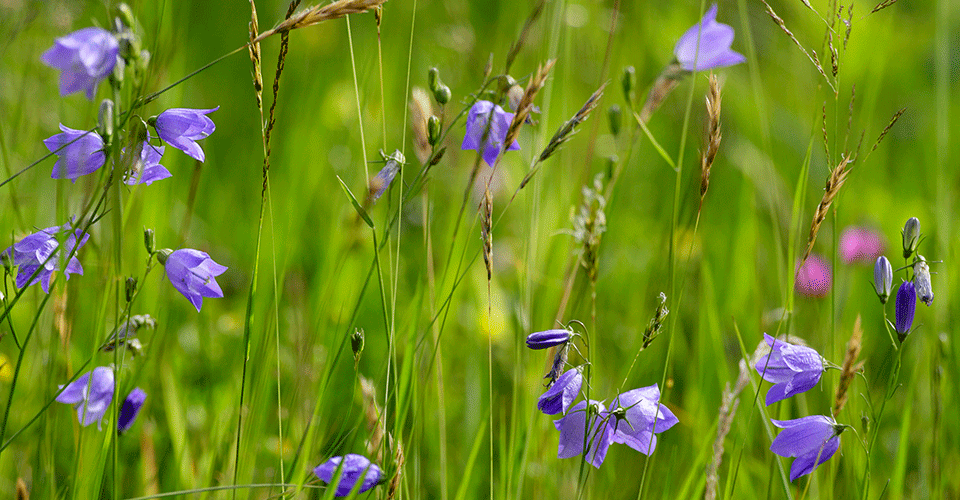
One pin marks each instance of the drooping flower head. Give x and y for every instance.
(791, 368)
(84, 57)
(183, 127)
(906, 306)
(812, 440)
(921, 277)
(480, 114)
(548, 338)
(859, 244)
(90, 395)
(41, 250)
(82, 153)
(639, 416)
(561, 394)
(147, 169)
(356, 468)
(130, 409)
(814, 277)
(882, 278)
(713, 40)
(193, 273)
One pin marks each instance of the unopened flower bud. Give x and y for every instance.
(130, 287)
(906, 306)
(629, 82)
(356, 343)
(514, 96)
(911, 236)
(921, 277)
(616, 117)
(433, 130)
(105, 120)
(125, 15)
(442, 94)
(549, 338)
(882, 278)
(149, 240)
(433, 79)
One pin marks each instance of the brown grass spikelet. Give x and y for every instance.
(893, 120)
(526, 102)
(522, 37)
(399, 459)
(883, 5)
(320, 13)
(728, 409)
(667, 81)
(814, 59)
(567, 129)
(254, 50)
(850, 366)
(713, 135)
(421, 109)
(834, 182)
(486, 230)
(22, 492)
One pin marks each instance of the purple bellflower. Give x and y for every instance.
(633, 420)
(82, 153)
(561, 394)
(638, 418)
(183, 127)
(812, 440)
(356, 468)
(477, 120)
(814, 277)
(906, 306)
(85, 57)
(714, 45)
(598, 439)
(193, 273)
(791, 368)
(41, 249)
(90, 395)
(860, 245)
(148, 168)
(549, 338)
(130, 409)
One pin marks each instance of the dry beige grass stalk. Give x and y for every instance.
(486, 230)
(850, 366)
(834, 182)
(813, 58)
(320, 13)
(421, 109)
(522, 37)
(567, 129)
(728, 408)
(713, 136)
(523, 109)
(668, 80)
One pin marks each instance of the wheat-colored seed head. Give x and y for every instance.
(850, 366)
(834, 182)
(523, 109)
(320, 13)
(713, 135)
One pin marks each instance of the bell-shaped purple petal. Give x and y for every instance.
(812, 440)
(192, 273)
(644, 416)
(90, 394)
(84, 57)
(814, 277)
(562, 393)
(130, 409)
(549, 338)
(148, 169)
(906, 306)
(183, 127)
(860, 245)
(41, 250)
(477, 120)
(356, 468)
(571, 428)
(707, 45)
(791, 368)
(82, 153)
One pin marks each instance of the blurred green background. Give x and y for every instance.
(734, 270)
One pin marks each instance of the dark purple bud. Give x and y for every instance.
(549, 338)
(906, 305)
(130, 409)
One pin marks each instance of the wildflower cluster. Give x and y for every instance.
(918, 287)
(589, 427)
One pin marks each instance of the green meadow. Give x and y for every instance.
(395, 327)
